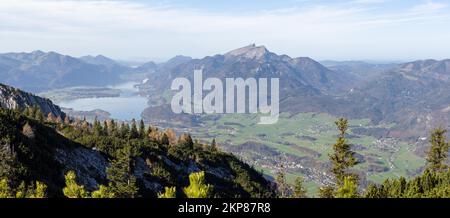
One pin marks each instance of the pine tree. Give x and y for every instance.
(349, 188)
(124, 130)
(283, 187)
(120, 173)
(326, 192)
(437, 155)
(170, 192)
(105, 128)
(373, 191)
(5, 190)
(342, 158)
(142, 131)
(134, 131)
(197, 186)
(32, 112)
(8, 162)
(102, 192)
(213, 145)
(299, 189)
(39, 115)
(38, 192)
(97, 128)
(21, 191)
(72, 189)
(113, 128)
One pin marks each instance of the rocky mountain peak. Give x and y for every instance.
(37, 52)
(249, 52)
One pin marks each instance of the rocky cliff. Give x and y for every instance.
(12, 98)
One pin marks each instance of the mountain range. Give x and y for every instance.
(401, 101)
(413, 95)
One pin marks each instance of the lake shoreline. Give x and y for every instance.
(125, 105)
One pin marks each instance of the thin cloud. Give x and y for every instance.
(429, 7)
(129, 29)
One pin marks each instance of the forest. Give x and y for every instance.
(35, 163)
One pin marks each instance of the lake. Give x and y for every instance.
(125, 107)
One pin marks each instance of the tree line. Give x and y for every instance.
(123, 142)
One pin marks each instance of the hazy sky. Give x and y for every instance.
(341, 30)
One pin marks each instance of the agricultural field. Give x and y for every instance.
(301, 143)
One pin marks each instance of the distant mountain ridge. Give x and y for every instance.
(413, 95)
(38, 71)
(254, 61)
(305, 84)
(406, 93)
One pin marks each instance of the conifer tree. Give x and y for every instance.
(197, 186)
(283, 187)
(299, 188)
(21, 191)
(72, 189)
(437, 155)
(97, 128)
(373, 191)
(39, 191)
(134, 131)
(32, 112)
(342, 158)
(124, 130)
(5, 190)
(169, 192)
(34, 190)
(8, 162)
(326, 192)
(113, 128)
(105, 130)
(120, 173)
(214, 145)
(39, 115)
(349, 188)
(103, 192)
(142, 132)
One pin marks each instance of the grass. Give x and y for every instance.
(285, 136)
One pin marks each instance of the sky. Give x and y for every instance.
(399, 30)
